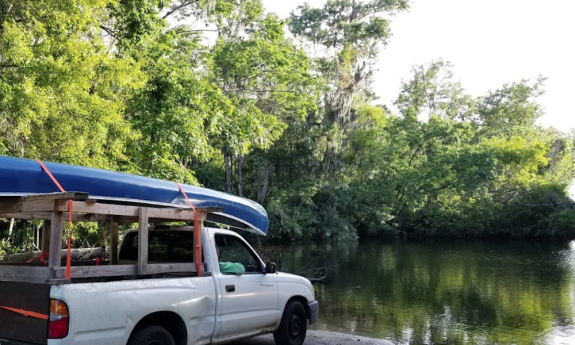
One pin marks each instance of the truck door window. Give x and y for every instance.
(232, 249)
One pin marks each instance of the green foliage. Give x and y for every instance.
(544, 210)
(132, 86)
(61, 93)
(345, 22)
(432, 91)
(131, 22)
(482, 166)
(351, 31)
(175, 112)
(511, 110)
(20, 239)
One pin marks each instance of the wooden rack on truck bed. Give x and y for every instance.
(53, 210)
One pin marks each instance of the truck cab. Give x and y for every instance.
(247, 304)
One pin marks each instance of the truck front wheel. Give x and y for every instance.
(152, 335)
(293, 326)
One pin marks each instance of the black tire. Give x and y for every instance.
(152, 335)
(293, 326)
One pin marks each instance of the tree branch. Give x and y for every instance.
(182, 5)
(108, 31)
(199, 30)
(9, 150)
(259, 91)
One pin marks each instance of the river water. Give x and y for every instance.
(442, 291)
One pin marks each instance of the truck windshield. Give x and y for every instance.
(163, 246)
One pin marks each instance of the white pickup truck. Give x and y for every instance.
(167, 308)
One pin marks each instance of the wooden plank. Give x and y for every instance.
(46, 225)
(31, 202)
(42, 274)
(114, 246)
(55, 239)
(91, 212)
(93, 218)
(95, 208)
(195, 248)
(79, 196)
(88, 218)
(97, 271)
(37, 202)
(23, 273)
(133, 211)
(143, 240)
(200, 247)
(28, 215)
(171, 268)
(124, 220)
(124, 270)
(182, 217)
(27, 206)
(174, 213)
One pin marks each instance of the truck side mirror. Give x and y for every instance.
(271, 267)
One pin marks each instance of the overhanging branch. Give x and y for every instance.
(179, 7)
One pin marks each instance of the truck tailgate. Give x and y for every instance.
(24, 311)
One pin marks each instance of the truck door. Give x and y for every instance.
(249, 301)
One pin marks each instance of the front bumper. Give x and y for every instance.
(313, 308)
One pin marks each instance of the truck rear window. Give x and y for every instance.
(163, 246)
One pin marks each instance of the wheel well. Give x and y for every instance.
(303, 302)
(171, 321)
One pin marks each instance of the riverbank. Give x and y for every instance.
(319, 338)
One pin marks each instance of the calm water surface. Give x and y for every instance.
(442, 292)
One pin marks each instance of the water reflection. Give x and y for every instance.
(442, 292)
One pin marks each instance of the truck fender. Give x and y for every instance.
(169, 320)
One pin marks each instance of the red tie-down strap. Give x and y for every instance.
(26, 313)
(68, 260)
(196, 231)
(42, 257)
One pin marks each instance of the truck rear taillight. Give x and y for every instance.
(59, 320)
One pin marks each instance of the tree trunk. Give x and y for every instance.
(263, 182)
(228, 175)
(75, 254)
(240, 178)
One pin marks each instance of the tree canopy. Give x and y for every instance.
(218, 93)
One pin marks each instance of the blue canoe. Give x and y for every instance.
(24, 176)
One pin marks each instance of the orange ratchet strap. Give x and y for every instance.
(196, 230)
(27, 313)
(68, 262)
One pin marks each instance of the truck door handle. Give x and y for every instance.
(230, 288)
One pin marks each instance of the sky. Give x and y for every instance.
(489, 42)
